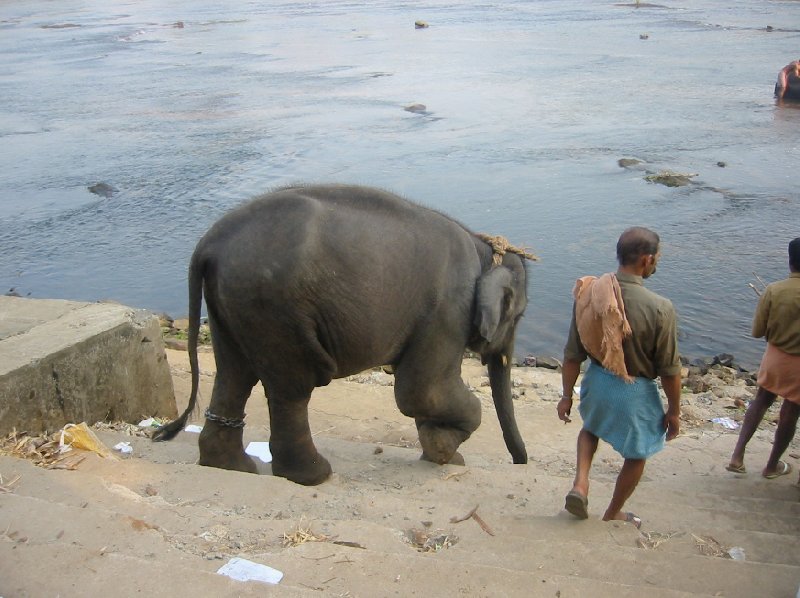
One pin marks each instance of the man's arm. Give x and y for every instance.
(672, 418)
(761, 315)
(569, 375)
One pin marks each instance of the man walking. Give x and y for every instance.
(778, 319)
(630, 334)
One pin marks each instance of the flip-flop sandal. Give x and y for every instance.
(635, 520)
(577, 504)
(736, 469)
(783, 469)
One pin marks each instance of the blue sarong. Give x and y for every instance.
(630, 417)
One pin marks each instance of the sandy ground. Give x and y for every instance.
(153, 521)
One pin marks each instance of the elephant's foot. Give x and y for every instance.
(456, 459)
(222, 447)
(440, 443)
(306, 467)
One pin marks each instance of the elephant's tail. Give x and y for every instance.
(196, 271)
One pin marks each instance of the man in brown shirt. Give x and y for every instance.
(777, 319)
(629, 416)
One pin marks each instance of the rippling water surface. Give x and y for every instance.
(188, 109)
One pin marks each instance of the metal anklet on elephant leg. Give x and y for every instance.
(225, 421)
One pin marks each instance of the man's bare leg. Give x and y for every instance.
(787, 424)
(587, 446)
(627, 480)
(577, 500)
(752, 417)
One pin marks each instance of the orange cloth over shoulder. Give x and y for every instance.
(601, 322)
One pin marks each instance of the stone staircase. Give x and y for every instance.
(157, 524)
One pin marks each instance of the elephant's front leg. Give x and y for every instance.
(445, 411)
(440, 442)
(294, 455)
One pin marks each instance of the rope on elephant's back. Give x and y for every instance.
(500, 246)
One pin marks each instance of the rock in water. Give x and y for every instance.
(102, 189)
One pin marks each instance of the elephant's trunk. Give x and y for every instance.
(499, 365)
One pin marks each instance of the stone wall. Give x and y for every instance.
(67, 362)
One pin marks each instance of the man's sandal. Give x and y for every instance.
(635, 520)
(577, 504)
(783, 469)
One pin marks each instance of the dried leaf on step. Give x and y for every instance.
(652, 540)
(709, 546)
(430, 541)
(301, 535)
(7, 487)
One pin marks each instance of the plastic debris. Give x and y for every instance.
(149, 423)
(243, 570)
(79, 436)
(726, 422)
(260, 450)
(737, 553)
(193, 428)
(123, 447)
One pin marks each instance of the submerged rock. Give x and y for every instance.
(670, 178)
(628, 162)
(416, 108)
(102, 189)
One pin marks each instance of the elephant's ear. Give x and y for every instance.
(494, 294)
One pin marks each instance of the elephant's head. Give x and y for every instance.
(500, 301)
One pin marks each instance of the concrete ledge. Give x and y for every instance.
(66, 362)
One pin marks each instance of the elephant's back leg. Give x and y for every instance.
(220, 441)
(290, 366)
(294, 455)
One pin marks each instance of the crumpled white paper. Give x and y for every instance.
(123, 447)
(727, 422)
(243, 570)
(193, 428)
(260, 450)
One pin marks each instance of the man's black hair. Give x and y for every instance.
(794, 254)
(636, 242)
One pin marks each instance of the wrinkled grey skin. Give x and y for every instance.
(307, 284)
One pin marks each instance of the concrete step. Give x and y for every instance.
(689, 571)
(759, 547)
(341, 570)
(555, 545)
(122, 575)
(126, 530)
(159, 502)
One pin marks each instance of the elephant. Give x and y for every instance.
(307, 284)
(788, 85)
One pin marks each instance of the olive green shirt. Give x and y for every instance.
(778, 315)
(652, 349)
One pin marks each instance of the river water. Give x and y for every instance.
(188, 108)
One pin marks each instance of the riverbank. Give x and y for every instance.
(388, 524)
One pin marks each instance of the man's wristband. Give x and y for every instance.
(567, 397)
